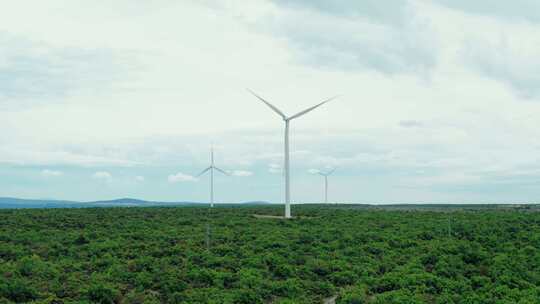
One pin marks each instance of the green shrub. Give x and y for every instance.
(18, 291)
(102, 294)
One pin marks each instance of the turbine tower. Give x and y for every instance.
(287, 121)
(211, 168)
(326, 175)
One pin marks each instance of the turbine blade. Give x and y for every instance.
(311, 109)
(203, 171)
(269, 105)
(222, 171)
(331, 171)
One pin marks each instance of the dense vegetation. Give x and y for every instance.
(163, 255)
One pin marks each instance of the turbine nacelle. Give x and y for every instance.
(328, 173)
(283, 116)
(213, 168)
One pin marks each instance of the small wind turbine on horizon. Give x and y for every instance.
(326, 175)
(211, 168)
(287, 121)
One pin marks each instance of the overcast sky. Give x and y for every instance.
(106, 99)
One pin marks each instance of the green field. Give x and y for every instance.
(191, 255)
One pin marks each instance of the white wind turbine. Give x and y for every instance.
(287, 121)
(326, 175)
(211, 168)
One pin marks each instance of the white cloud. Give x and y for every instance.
(314, 171)
(507, 57)
(181, 177)
(37, 72)
(390, 43)
(510, 10)
(274, 168)
(51, 173)
(241, 173)
(104, 175)
(139, 178)
(411, 124)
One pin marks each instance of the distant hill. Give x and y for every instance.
(9, 202)
(18, 203)
(131, 202)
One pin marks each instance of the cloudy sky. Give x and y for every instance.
(106, 99)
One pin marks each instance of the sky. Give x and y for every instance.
(439, 100)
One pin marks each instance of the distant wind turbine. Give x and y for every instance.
(211, 168)
(287, 121)
(326, 175)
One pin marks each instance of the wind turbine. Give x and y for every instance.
(287, 121)
(211, 168)
(326, 175)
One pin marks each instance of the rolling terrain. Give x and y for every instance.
(226, 255)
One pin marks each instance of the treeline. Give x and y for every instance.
(193, 255)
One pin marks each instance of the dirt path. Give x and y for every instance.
(280, 217)
(259, 216)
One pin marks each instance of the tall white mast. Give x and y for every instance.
(326, 189)
(287, 164)
(211, 168)
(325, 175)
(212, 177)
(287, 173)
